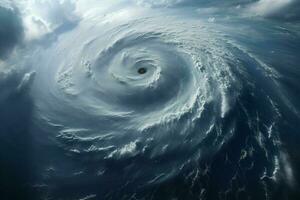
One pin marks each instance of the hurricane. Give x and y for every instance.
(152, 100)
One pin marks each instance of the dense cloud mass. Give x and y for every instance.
(149, 99)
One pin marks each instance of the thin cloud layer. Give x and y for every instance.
(277, 9)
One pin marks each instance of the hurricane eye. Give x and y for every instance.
(142, 70)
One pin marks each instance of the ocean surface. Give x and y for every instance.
(172, 100)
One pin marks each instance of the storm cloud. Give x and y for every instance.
(11, 30)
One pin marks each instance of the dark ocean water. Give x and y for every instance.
(215, 113)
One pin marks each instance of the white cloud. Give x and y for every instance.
(159, 3)
(269, 7)
(6, 4)
(44, 16)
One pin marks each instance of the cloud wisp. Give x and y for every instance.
(277, 9)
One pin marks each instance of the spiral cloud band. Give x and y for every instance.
(157, 99)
